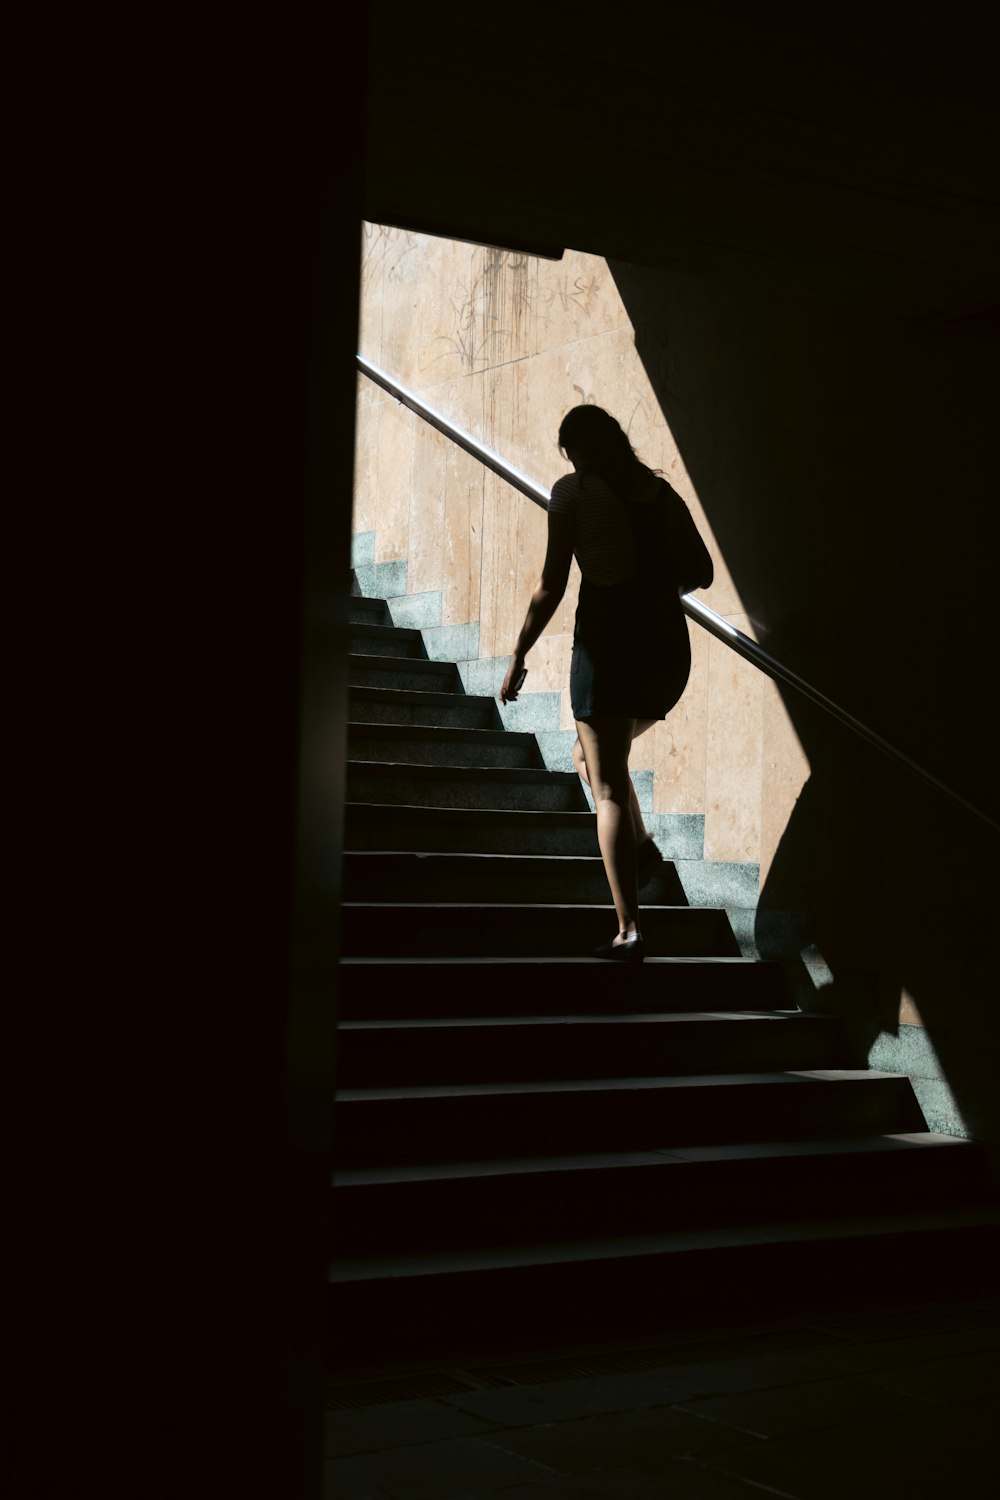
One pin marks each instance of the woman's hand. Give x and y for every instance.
(516, 674)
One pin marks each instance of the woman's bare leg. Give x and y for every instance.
(605, 744)
(642, 834)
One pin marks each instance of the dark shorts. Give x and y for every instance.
(631, 653)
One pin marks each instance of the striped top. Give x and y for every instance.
(602, 544)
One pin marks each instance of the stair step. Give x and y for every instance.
(412, 675)
(373, 1054)
(463, 1050)
(449, 929)
(386, 705)
(469, 830)
(373, 875)
(476, 1204)
(453, 1122)
(387, 988)
(368, 611)
(369, 639)
(626, 1247)
(463, 787)
(443, 746)
(459, 1305)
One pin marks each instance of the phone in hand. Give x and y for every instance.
(519, 681)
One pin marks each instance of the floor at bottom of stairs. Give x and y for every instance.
(899, 1401)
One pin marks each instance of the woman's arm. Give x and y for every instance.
(546, 598)
(694, 561)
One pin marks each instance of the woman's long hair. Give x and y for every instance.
(594, 436)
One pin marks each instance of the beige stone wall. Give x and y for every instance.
(505, 344)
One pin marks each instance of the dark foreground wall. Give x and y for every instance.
(848, 465)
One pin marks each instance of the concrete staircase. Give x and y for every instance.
(535, 1147)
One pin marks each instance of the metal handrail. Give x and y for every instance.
(714, 623)
(516, 477)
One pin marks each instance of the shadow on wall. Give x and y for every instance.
(847, 465)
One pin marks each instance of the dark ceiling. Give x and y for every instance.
(847, 152)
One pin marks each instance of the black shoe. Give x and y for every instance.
(629, 952)
(649, 860)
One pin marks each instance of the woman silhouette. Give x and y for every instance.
(638, 550)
